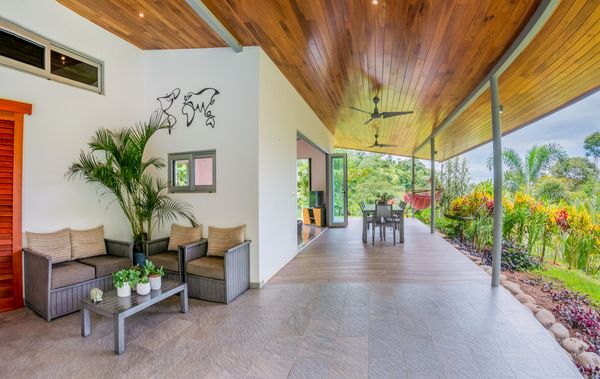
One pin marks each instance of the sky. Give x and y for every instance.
(567, 127)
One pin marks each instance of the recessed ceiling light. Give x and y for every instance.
(141, 15)
(374, 2)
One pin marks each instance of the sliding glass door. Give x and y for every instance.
(338, 185)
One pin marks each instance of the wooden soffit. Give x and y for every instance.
(426, 56)
(559, 66)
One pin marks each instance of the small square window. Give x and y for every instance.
(182, 173)
(203, 171)
(192, 172)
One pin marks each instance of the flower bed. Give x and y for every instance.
(573, 309)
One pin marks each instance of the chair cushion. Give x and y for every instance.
(56, 244)
(169, 260)
(87, 243)
(207, 267)
(67, 273)
(106, 264)
(223, 239)
(180, 235)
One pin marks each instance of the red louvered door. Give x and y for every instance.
(11, 155)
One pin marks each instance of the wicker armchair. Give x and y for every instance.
(218, 279)
(45, 292)
(157, 252)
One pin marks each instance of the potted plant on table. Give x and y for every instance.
(154, 274)
(123, 280)
(384, 198)
(115, 162)
(143, 285)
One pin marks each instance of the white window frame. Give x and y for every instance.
(191, 157)
(49, 46)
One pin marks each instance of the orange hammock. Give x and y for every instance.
(421, 199)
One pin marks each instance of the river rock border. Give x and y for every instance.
(575, 347)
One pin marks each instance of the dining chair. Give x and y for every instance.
(383, 219)
(368, 218)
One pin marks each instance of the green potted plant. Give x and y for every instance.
(384, 198)
(154, 274)
(142, 285)
(123, 281)
(115, 162)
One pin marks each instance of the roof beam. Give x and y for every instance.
(214, 23)
(538, 20)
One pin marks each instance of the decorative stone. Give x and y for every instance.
(512, 288)
(574, 345)
(502, 278)
(589, 359)
(532, 307)
(545, 317)
(475, 259)
(512, 284)
(486, 267)
(524, 298)
(559, 331)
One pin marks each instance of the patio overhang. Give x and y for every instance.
(432, 58)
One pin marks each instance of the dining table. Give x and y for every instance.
(369, 210)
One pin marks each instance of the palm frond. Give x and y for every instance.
(115, 163)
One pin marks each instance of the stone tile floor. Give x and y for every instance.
(309, 328)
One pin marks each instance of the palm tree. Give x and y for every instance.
(591, 146)
(115, 163)
(523, 173)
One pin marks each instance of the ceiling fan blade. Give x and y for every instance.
(392, 114)
(386, 145)
(369, 120)
(360, 110)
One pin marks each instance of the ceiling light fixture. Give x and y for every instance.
(374, 2)
(141, 15)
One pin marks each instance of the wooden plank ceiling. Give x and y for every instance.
(420, 55)
(560, 65)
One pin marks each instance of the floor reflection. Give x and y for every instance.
(307, 234)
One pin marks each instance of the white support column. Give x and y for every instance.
(413, 183)
(432, 144)
(497, 146)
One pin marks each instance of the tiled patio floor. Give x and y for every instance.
(340, 309)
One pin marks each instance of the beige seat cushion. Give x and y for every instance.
(106, 264)
(180, 235)
(56, 244)
(67, 273)
(87, 243)
(223, 239)
(207, 267)
(169, 260)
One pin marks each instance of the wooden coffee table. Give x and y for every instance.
(119, 308)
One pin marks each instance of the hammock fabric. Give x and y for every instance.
(421, 200)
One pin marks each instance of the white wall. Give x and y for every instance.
(318, 166)
(64, 118)
(235, 135)
(258, 114)
(282, 113)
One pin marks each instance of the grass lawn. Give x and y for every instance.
(574, 280)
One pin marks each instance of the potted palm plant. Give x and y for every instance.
(154, 274)
(115, 162)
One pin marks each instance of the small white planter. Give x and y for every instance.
(124, 291)
(143, 288)
(155, 282)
